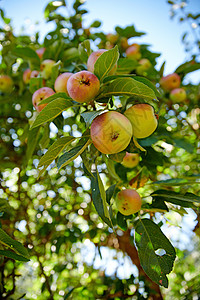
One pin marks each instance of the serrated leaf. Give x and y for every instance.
(53, 152)
(127, 87)
(149, 238)
(72, 154)
(51, 111)
(16, 246)
(89, 116)
(179, 199)
(105, 63)
(99, 198)
(13, 255)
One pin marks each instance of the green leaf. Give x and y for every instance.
(54, 97)
(33, 137)
(72, 154)
(105, 63)
(89, 116)
(51, 111)
(53, 152)
(175, 181)
(148, 83)
(128, 31)
(99, 198)
(16, 246)
(44, 141)
(111, 168)
(13, 255)
(126, 65)
(184, 200)
(96, 24)
(183, 143)
(187, 67)
(149, 238)
(35, 84)
(127, 87)
(121, 221)
(84, 50)
(110, 192)
(27, 54)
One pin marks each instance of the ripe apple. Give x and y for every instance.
(170, 82)
(130, 160)
(83, 86)
(40, 52)
(111, 132)
(6, 84)
(34, 74)
(124, 43)
(128, 202)
(27, 76)
(46, 68)
(93, 58)
(40, 95)
(112, 38)
(144, 65)
(143, 120)
(133, 52)
(178, 95)
(60, 84)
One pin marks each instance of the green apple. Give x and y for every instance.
(143, 67)
(46, 68)
(6, 84)
(133, 52)
(111, 132)
(83, 86)
(128, 202)
(178, 95)
(143, 119)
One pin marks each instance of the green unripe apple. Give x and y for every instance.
(133, 52)
(128, 202)
(144, 65)
(111, 132)
(130, 160)
(178, 95)
(143, 120)
(46, 68)
(6, 84)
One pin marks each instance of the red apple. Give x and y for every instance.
(40, 95)
(170, 82)
(6, 84)
(27, 76)
(178, 95)
(143, 120)
(34, 74)
(130, 160)
(40, 52)
(133, 52)
(111, 132)
(46, 68)
(60, 84)
(128, 202)
(83, 86)
(93, 58)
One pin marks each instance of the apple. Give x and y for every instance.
(178, 95)
(26, 76)
(60, 84)
(34, 74)
(128, 202)
(83, 86)
(144, 65)
(6, 84)
(40, 52)
(93, 58)
(111, 132)
(133, 52)
(170, 82)
(40, 95)
(130, 160)
(112, 38)
(46, 68)
(143, 119)
(124, 43)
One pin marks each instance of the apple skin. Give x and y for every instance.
(128, 202)
(178, 95)
(60, 84)
(133, 52)
(93, 58)
(170, 82)
(130, 160)
(143, 120)
(111, 132)
(40, 52)
(6, 84)
(83, 86)
(46, 68)
(112, 38)
(34, 74)
(144, 65)
(27, 76)
(124, 43)
(40, 95)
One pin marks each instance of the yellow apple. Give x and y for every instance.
(170, 82)
(130, 160)
(128, 202)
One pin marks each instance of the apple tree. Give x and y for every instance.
(99, 164)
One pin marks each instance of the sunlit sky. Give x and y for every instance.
(152, 17)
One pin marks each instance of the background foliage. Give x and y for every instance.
(61, 235)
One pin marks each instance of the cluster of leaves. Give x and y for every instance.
(55, 215)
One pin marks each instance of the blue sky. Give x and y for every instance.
(152, 17)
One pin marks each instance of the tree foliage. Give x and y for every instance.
(61, 235)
